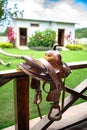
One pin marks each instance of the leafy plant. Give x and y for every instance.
(74, 46)
(6, 45)
(45, 38)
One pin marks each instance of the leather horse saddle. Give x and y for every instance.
(52, 70)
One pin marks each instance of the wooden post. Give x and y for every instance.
(21, 100)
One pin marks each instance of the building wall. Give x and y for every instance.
(3, 39)
(68, 27)
(16, 25)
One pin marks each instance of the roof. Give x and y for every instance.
(44, 20)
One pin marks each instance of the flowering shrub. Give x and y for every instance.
(10, 35)
(45, 38)
(69, 38)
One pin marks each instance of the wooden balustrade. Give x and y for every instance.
(21, 96)
(21, 93)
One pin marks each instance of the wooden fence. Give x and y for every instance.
(21, 95)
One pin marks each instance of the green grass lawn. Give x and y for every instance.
(6, 91)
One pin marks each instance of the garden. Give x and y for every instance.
(6, 91)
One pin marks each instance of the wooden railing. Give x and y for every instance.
(21, 96)
(21, 93)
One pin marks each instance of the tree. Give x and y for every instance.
(81, 33)
(1, 9)
(3, 4)
(6, 14)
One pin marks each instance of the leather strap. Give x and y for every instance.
(57, 81)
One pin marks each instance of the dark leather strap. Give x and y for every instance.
(57, 81)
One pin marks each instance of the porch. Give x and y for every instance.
(74, 118)
(71, 115)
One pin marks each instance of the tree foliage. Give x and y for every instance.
(81, 33)
(7, 13)
(45, 38)
(1, 8)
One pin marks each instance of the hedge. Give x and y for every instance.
(6, 45)
(74, 46)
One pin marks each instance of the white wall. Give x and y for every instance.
(42, 26)
(3, 39)
(81, 41)
(19, 24)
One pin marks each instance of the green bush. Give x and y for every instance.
(45, 38)
(74, 46)
(6, 45)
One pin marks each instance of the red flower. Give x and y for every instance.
(10, 35)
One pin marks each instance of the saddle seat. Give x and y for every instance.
(37, 69)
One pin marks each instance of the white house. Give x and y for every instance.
(24, 28)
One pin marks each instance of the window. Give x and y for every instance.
(34, 25)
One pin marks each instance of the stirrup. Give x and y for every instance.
(55, 117)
